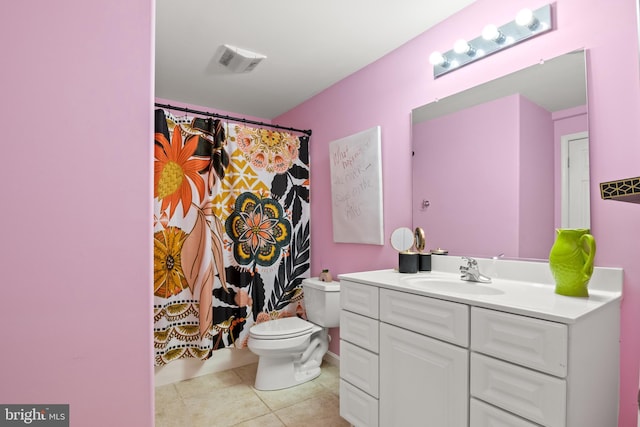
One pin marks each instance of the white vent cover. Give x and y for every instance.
(236, 59)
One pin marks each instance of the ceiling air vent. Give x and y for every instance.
(236, 59)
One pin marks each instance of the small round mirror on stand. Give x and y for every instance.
(402, 240)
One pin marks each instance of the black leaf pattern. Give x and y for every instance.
(279, 185)
(303, 192)
(291, 271)
(288, 200)
(240, 279)
(218, 165)
(296, 214)
(237, 329)
(299, 172)
(226, 297)
(257, 294)
(222, 314)
(225, 158)
(303, 153)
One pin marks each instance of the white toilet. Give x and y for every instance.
(290, 349)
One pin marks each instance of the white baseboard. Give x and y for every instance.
(332, 358)
(221, 360)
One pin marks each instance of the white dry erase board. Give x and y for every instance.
(356, 188)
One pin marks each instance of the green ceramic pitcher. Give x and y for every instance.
(571, 261)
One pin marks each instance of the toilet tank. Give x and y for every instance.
(322, 302)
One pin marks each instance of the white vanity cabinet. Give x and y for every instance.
(412, 358)
(423, 380)
(403, 358)
(548, 373)
(359, 360)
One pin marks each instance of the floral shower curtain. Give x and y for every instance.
(231, 232)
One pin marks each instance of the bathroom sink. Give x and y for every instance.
(451, 285)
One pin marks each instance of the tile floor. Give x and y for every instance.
(228, 399)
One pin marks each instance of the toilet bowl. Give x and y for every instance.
(290, 349)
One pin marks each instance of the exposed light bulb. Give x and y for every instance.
(436, 58)
(526, 24)
(462, 46)
(492, 33)
(525, 18)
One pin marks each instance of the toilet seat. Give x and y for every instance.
(288, 327)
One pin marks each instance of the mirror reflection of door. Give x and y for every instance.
(575, 177)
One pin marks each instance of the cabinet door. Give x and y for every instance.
(423, 381)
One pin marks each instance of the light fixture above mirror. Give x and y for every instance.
(527, 24)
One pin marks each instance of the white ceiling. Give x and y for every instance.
(309, 45)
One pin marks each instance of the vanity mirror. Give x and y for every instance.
(489, 164)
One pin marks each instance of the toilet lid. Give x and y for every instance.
(287, 327)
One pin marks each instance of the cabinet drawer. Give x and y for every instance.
(534, 343)
(357, 407)
(483, 415)
(359, 330)
(359, 298)
(359, 367)
(448, 321)
(533, 395)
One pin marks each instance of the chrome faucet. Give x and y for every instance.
(471, 272)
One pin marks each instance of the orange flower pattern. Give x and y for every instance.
(222, 263)
(258, 229)
(267, 149)
(168, 277)
(174, 169)
(188, 255)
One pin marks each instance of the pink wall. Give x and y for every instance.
(76, 86)
(385, 92)
(571, 120)
(495, 161)
(465, 164)
(536, 190)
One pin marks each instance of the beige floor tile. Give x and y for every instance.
(269, 420)
(225, 407)
(329, 378)
(166, 394)
(247, 373)
(277, 399)
(202, 386)
(170, 409)
(321, 411)
(229, 399)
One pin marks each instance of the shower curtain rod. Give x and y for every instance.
(233, 119)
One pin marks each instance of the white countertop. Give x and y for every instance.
(512, 294)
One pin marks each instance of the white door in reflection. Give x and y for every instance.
(575, 181)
